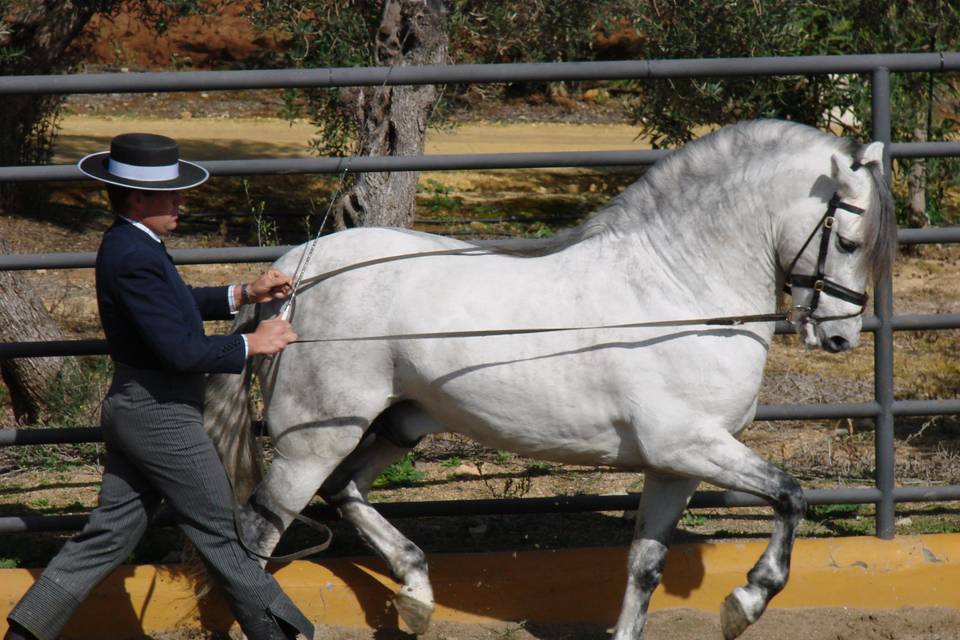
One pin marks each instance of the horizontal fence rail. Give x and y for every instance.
(439, 162)
(225, 255)
(879, 67)
(474, 73)
(529, 506)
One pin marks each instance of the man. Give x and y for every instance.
(152, 421)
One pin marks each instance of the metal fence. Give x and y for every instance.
(882, 409)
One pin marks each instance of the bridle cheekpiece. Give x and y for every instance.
(818, 281)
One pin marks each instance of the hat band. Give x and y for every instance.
(144, 174)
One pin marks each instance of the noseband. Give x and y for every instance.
(818, 281)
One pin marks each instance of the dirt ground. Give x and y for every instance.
(684, 624)
(690, 624)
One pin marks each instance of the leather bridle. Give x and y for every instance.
(818, 281)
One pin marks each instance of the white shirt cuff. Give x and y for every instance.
(231, 300)
(246, 347)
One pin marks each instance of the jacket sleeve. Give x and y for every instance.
(212, 302)
(175, 338)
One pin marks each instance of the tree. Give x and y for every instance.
(385, 120)
(393, 120)
(41, 37)
(669, 112)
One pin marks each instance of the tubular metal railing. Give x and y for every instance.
(883, 409)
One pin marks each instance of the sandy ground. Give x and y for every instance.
(686, 624)
(220, 138)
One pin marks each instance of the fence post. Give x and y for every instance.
(883, 337)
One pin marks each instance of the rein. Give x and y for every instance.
(818, 282)
(730, 321)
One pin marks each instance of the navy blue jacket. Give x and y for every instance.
(151, 318)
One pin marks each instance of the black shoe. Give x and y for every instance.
(17, 632)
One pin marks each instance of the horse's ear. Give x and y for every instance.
(842, 174)
(873, 152)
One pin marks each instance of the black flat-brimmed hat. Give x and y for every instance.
(143, 161)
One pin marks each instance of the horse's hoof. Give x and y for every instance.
(733, 618)
(414, 614)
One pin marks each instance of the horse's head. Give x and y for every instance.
(836, 245)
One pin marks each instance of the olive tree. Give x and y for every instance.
(669, 112)
(393, 120)
(382, 120)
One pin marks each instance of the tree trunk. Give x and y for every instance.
(916, 208)
(393, 120)
(23, 318)
(38, 34)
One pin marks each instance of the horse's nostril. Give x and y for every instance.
(836, 344)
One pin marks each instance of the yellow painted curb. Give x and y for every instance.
(543, 586)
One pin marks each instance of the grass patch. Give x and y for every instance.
(401, 473)
(691, 519)
(823, 512)
(73, 401)
(930, 525)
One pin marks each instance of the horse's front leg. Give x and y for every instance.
(662, 503)
(717, 457)
(304, 456)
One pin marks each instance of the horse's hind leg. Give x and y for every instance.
(719, 458)
(394, 433)
(662, 503)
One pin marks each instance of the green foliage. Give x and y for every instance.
(563, 30)
(321, 33)
(75, 395)
(265, 227)
(327, 33)
(73, 400)
(401, 473)
(538, 468)
(671, 112)
(930, 525)
(691, 519)
(822, 512)
(438, 196)
(452, 462)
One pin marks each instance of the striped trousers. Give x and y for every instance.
(157, 449)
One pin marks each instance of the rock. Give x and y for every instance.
(466, 471)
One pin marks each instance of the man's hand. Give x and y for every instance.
(271, 337)
(272, 285)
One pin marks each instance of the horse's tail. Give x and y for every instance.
(228, 420)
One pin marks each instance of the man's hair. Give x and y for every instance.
(118, 198)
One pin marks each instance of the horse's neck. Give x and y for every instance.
(712, 256)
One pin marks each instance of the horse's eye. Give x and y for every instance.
(847, 246)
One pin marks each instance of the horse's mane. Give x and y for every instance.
(736, 147)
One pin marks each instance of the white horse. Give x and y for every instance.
(402, 338)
